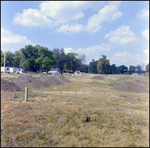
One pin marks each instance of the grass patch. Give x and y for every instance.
(56, 120)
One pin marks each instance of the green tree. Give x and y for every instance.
(103, 65)
(139, 68)
(83, 68)
(45, 59)
(113, 69)
(2, 58)
(9, 59)
(131, 69)
(122, 69)
(36, 58)
(17, 59)
(28, 57)
(60, 57)
(93, 67)
(147, 67)
(72, 62)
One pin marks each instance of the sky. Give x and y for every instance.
(117, 29)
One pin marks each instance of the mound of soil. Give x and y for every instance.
(28, 81)
(49, 80)
(98, 77)
(9, 86)
(62, 78)
(142, 80)
(130, 86)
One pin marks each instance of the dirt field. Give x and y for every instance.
(90, 111)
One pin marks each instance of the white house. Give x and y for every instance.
(10, 69)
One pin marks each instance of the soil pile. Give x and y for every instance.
(62, 79)
(28, 81)
(49, 80)
(142, 80)
(131, 86)
(98, 77)
(9, 86)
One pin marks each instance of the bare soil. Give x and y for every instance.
(29, 81)
(98, 77)
(138, 86)
(9, 86)
(49, 80)
(62, 79)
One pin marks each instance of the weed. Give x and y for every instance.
(98, 112)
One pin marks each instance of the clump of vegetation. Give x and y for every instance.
(147, 75)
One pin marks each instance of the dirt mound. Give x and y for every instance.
(49, 80)
(62, 78)
(131, 86)
(28, 81)
(9, 86)
(142, 80)
(98, 77)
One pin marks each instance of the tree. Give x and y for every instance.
(2, 58)
(60, 57)
(83, 68)
(113, 69)
(45, 59)
(17, 59)
(72, 62)
(9, 59)
(93, 67)
(103, 65)
(36, 58)
(122, 69)
(147, 67)
(131, 69)
(139, 68)
(82, 57)
(28, 58)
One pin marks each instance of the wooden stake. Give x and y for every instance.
(26, 94)
(14, 93)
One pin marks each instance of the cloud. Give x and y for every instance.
(145, 34)
(144, 13)
(64, 13)
(67, 50)
(71, 28)
(32, 18)
(146, 59)
(147, 51)
(13, 42)
(108, 13)
(125, 58)
(94, 50)
(122, 36)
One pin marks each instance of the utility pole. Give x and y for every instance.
(4, 60)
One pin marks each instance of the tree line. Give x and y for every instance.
(41, 59)
(102, 66)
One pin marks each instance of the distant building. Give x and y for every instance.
(11, 69)
(54, 71)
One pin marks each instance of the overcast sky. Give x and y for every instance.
(119, 30)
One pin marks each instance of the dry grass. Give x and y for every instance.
(55, 116)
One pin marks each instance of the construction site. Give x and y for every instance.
(64, 110)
